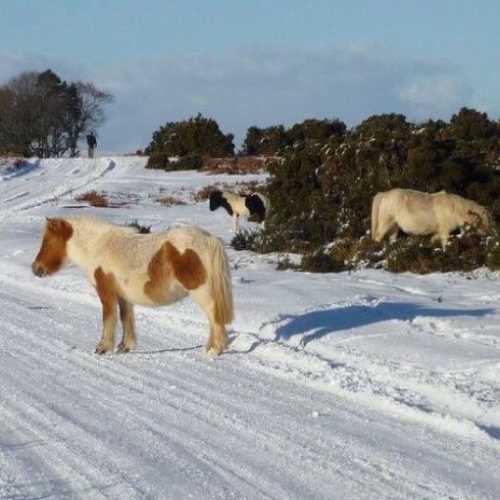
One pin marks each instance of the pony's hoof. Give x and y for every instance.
(122, 348)
(101, 350)
(212, 352)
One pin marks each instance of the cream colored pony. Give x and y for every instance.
(420, 213)
(127, 268)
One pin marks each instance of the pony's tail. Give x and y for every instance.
(220, 282)
(375, 214)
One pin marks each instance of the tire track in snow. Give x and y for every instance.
(115, 380)
(42, 193)
(204, 392)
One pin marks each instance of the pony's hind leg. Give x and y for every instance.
(106, 291)
(236, 222)
(127, 318)
(218, 340)
(393, 233)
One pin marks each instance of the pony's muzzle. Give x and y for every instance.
(39, 270)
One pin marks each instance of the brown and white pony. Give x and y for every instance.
(419, 213)
(127, 268)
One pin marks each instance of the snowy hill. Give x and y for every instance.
(363, 385)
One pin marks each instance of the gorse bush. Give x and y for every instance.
(163, 161)
(322, 262)
(188, 141)
(321, 190)
(244, 240)
(271, 140)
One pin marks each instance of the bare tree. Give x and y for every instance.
(44, 116)
(18, 114)
(90, 115)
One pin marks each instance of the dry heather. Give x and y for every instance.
(234, 166)
(109, 200)
(12, 162)
(169, 201)
(94, 199)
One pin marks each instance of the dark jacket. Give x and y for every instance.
(91, 140)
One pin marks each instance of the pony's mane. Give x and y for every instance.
(100, 224)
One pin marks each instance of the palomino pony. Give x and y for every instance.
(420, 213)
(127, 268)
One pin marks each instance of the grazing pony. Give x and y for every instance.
(128, 268)
(253, 205)
(420, 213)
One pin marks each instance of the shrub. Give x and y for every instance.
(204, 193)
(234, 166)
(198, 135)
(493, 258)
(286, 264)
(158, 160)
(272, 140)
(170, 201)
(94, 199)
(321, 191)
(140, 228)
(192, 161)
(164, 162)
(244, 240)
(321, 262)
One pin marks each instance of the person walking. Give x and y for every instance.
(91, 143)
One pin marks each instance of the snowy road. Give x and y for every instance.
(363, 385)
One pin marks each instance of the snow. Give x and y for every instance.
(353, 385)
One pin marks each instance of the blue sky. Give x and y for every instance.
(260, 62)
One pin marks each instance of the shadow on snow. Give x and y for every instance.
(317, 324)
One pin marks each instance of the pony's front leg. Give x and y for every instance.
(106, 291)
(236, 223)
(127, 318)
(442, 237)
(444, 240)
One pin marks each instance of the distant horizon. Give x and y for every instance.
(261, 64)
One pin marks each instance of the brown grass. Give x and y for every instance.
(12, 162)
(204, 192)
(94, 199)
(248, 187)
(234, 166)
(107, 200)
(169, 201)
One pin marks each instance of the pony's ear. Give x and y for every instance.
(52, 224)
(60, 227)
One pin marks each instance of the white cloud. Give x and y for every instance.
(435, 96)
(13, 63)
(265, 86)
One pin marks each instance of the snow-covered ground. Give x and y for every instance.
(366, 385)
